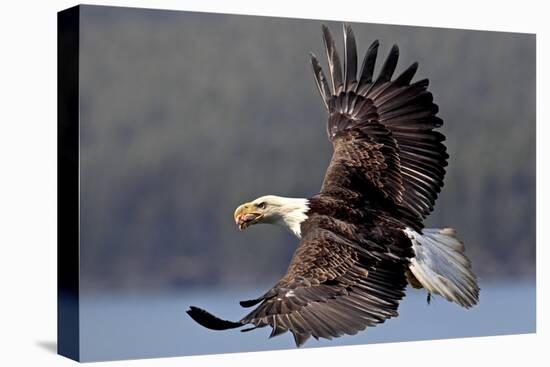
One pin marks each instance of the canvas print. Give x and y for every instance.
(393, 166)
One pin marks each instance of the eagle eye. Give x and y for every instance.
(261, 205)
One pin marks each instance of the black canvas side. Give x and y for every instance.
(68, 23)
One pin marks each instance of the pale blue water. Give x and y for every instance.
(156, 325)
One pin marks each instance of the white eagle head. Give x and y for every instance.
(289, 212)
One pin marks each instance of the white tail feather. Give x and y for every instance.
(442, 267)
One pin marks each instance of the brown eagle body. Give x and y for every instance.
(361, 236)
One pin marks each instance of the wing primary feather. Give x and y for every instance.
(405, 77)
(249, 329)
(210, 321)
(350, 61)
(367, 68)
(389, 66)
(320, 80)
(300, 338)
(277, 328)
(333, 61)
(251, 302)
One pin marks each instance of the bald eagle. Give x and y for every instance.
(361, 238)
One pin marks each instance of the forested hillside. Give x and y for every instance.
(184, 116)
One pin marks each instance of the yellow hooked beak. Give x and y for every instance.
(247, 215)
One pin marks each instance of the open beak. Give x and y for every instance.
(244, 217)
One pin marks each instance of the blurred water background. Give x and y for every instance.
(184, 116)
(144, 325)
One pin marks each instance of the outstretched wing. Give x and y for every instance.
(365, 156)
(407, 163)
(333, 286)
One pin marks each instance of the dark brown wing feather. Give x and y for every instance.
(339, 281)
(406, 110)
(364, 155)
(333, 287)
